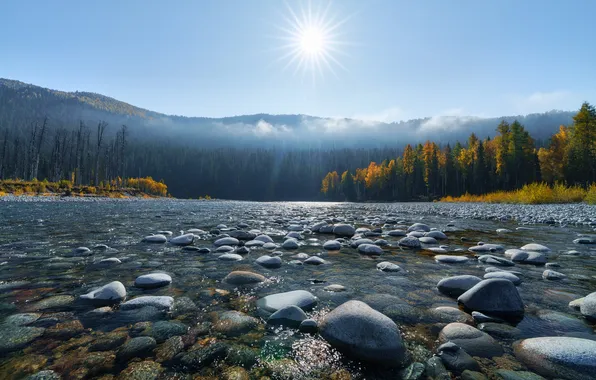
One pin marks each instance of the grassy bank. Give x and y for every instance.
(535, 193)
(131, 187)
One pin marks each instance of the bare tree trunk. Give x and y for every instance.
(15, 158)
(4, 154)
(79, 151)
(31, 152)
(122, 151)
(101, 127)
(35, 167)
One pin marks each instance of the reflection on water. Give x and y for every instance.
(42, 276)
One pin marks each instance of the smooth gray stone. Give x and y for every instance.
(456, 359)
(344, 230)
(588, 306)
(497, 297)
(409, 242)
(332, 245)
(153, 280)
(451, 259)
(301, 298)
(386, 266)
(109, 294)
(159, 302)
(269, 261)
(558, 357)
(309, 326)
(314, 260)
(553, 275)
(370, 249)
(472, 340)
(457, 285)
(363, 333)
(136, 347)
(505, 275)
(289, 316)
(244, 278)
(226, 241)
(419, 227)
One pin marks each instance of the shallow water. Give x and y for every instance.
(37, 265)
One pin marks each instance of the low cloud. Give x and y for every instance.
(448, 121)
(389, 115)
(542, 101)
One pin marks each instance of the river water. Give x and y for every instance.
(42, 276)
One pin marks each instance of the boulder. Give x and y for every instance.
(269, 261)
(226, 241)
(588, 306)
(396, 233)
(301, 298)
(314, 260)
(428, 240)
(183, 240)
(506, 275)
(158, 302)
(528, 257)
(419, 227)
(558, 357)
(409, 242)
(370, 249)
(436, 235)
(159, 238)
(457, 285)
(344, 230)
(358, 242)
(109, 294)
(244, 278)
(472, 340)
(451, 259)
(496, 296)
(290, 244)
(289, 316)
(553, 275)
(153, 280)
(264, 238)
(364, 334)
(535, 247)
(332, 245)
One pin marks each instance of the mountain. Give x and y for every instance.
(22, 103)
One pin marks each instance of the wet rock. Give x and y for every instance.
(576, 304)
(396, 233)
(414, 371)
(234, 323)
(243, 250)
(289, 316)
(370, 249)
(300, 256)
(183, 306)
(230, 257)
(290, 244)
(435, 369)
(558, 357)
(451, 259)
(535, 247)
(82, 251)
(419, 227)
(183, 240)
(528, 257)
(44, 375)
(332, 245)
(244, 278)
(108, 341)
(22, 319)
(158, 302)
(585, 240)
(111, 261)
(363, 333)
(497, 297)
(436, 235)
(487, 248)
(301, 298)
(163, 330)
(472, 340)
(203, 357)
(235, 373)
(226, 241)
(456, 359)
(495, 260)
(588, 306)
(267, 261)
(14, 337)
(506, 374)
(270, 246)
(505, 275)
(387, 266)
(309, 326)
(428, 240)
(61, 302)
(153, 280)
(410, 242)
(335, 288)
(314, 260)
(139, 347)
(109, 294)
(145, 370)
(344, 230)
(480, 317)
(224, 248)
(64, 330)
(472, 375)
(242, 235)
(448, 314)
(553, 275)
(158, 238)
(457, 285)
(254, 243)
(264, 239)
(169, 349)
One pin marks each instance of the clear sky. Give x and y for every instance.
(396, 59)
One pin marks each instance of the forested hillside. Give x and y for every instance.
(508, 161)
(91, 138)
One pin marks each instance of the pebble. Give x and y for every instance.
(153, 280)
(387, 266)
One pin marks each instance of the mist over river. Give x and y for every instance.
(202, 319)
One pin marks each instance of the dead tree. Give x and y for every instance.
(101, 127)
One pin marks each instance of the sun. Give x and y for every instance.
(312, 41)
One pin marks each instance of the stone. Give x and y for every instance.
(144, 370)
(588, 306)
(506, 374)
(203, 357)
(495, 260)
(457, 285)
(428, 240)
(344, 230)
(264, 238)
(230, 257)
(332, 245)
(396, 233)
(409, 242)
(81, 251)
(472, 375)
(370, 249)
(436, 235)
(182, 240)
(139, 347)
(108, 262)
(169, 349)
(448, 314)
(314, 260)
(506, 275)
(224, 248)
(44, 375)
(109, 294)
(234, 323)
(301, 298)
(558, 357)
(456, 359)
(386, 266)
(159, 238)
(270, 246)
(364, 334)
(535, 247)
(414, 371)
(435, 369)
(481, 248)
(158, 302)
(290, 244)
(14, 337)
(496, 296)
(61, 302)
(585, 240)
(451, 259)
(335, 288)
(500, 330)
(254, 243)
(481, 318)
(226, 241)
(289, 316)
(470, 339)
(309, 326)
(244, 278)
(419, 227)
(153, 280)
(267, 261)
(108, 341)
(553, 275)
(242, 235)
(163, 330)
(528, 257)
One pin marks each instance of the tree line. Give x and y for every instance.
(508, 161)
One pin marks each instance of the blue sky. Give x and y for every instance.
(401, 59)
